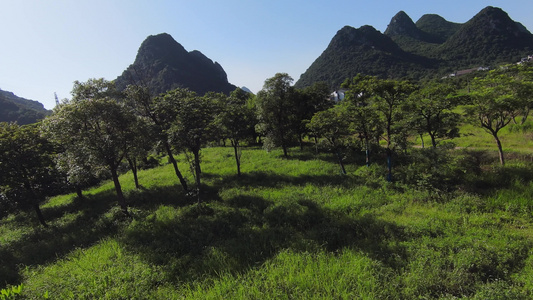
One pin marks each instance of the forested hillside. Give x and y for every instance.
(20, 110)
(430, 48)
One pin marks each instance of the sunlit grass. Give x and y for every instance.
(287, 228)
(514, 138)
(104, 271)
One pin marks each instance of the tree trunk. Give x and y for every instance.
(39, 213)
(316, 144)
(133, 167)
(35, 202)
(389, 165)
(175, 164)
(389, 150)
(198, 172)
(341, 164)
(433, 140)
(235, 145)
(118, 190)
(422, 140)
(500, 149)
(285, 152)
(79, 191)
(367, 153)
(524, 117)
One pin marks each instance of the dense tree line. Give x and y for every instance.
(101, 129)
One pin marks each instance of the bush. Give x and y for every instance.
(431, 169)
(373, 176)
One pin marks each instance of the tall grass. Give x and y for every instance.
(286, 229)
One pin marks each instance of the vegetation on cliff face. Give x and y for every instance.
(20, 110)
(430, 48)
(162, 64)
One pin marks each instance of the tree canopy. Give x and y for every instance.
(27, 168)
(275, 109)
(96, 124)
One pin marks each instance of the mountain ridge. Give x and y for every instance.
(163, 64)
(20, 110)
(429, 48)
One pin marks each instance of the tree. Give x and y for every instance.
(364, 119)
(495, 102)
(333, 125)
(522, 76)
(275, 105)
(237, 120)
(387, 98)
(27, 168)
(431, 108)
(307, 102)
(194, 125)
(141, 144)
(75, 164)
(96, 124)
(161, 113)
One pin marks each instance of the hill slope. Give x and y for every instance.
(488, 38)
(437, 26)
(363, 50)
(163, 64)
(20, 110)
(428, 48)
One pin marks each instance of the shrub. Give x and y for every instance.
(12, 292)
(431, 169)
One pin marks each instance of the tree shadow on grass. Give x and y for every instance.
(77, 224)
(491, 181)
(240, 233)
(350, 156)
(270, 179)
(149, 199)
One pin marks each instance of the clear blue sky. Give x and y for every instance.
(47, 45)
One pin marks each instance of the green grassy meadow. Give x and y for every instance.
(286, 229)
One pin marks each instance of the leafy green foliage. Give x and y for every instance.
(11, 293)
(27, 168)
(237, 120)
(333, 125)
(386, 99)
(495, 103)
(96, 127)
(194, 125)
(159, 113)
(275, 107)
(432, 107)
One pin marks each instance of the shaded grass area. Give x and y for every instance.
(288, 228)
